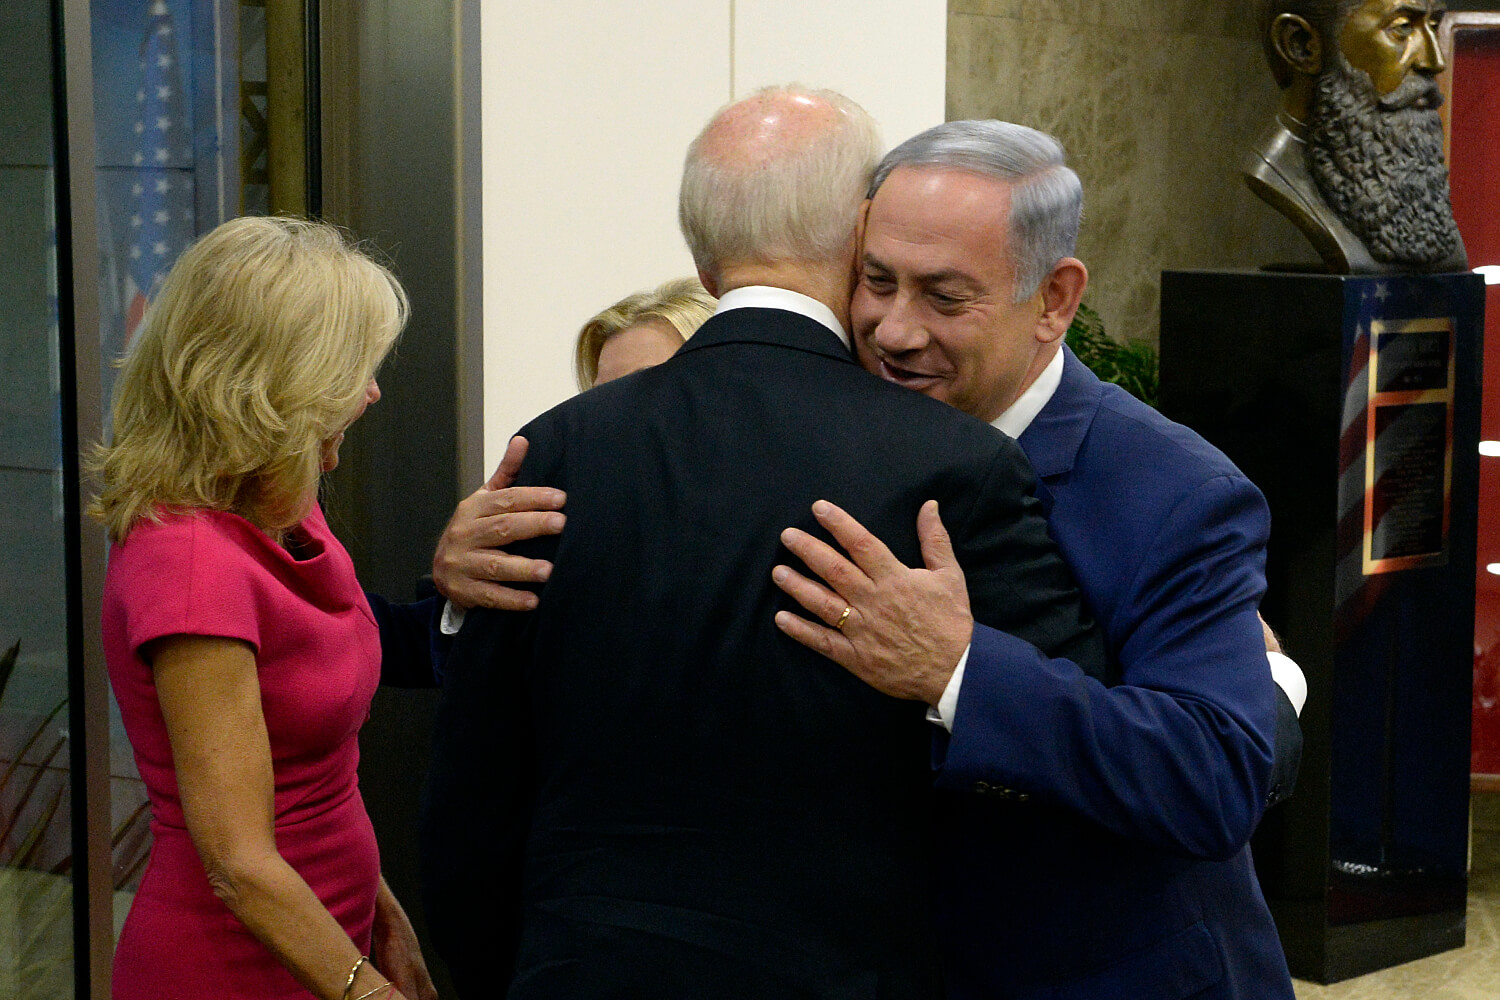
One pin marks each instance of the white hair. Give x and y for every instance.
(801, 204)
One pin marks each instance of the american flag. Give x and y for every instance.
(161, 194)
(1355, 592)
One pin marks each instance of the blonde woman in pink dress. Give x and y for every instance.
(239, 645)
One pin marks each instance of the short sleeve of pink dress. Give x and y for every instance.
(318, 660)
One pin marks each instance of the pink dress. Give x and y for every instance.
(318, 655)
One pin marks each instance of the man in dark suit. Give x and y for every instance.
(1092, 839)
(643, 788)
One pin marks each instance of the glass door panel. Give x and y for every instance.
(36, 893)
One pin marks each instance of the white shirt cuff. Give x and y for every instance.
(1288, 676)
(1284, 671)
(453, 619)
(947, 706)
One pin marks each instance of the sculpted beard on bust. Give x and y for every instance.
(1378, 162)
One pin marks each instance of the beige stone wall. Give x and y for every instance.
(1156, 102)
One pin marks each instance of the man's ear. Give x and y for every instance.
(859, 238)
(709, 283)
(1298, 43)
(859, 229)
(1061, 295)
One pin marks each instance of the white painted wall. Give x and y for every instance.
(889, 55)
(587, 108)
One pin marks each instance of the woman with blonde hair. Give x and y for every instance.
(640, 330)
(240, 648)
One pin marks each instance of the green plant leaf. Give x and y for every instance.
(31, 741)
(25, 856)
(8, 665)
(39, 771)
(1131, 365)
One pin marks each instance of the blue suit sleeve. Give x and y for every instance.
(1179, 754)
(476, 804)
(411, 644)
(480, 793)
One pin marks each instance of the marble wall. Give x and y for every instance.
(1156, 102)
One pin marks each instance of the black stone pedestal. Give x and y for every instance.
(1353, 402)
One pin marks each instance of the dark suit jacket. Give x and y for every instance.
(1125, 870)
(644, 788)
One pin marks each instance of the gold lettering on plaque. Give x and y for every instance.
(1409, 444)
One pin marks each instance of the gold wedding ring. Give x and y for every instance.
(843, 618)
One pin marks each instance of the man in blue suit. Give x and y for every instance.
(1092, 837)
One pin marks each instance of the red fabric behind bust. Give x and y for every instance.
(1474, 160)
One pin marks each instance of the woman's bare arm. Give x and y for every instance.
(210, 698)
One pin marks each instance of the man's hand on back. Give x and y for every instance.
(471, 566)
(906, 628)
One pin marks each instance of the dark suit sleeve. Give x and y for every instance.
(1179, 754)
(1017, 581)
(479, 796)
(476, 804)
(1287, 751)
(410, 641)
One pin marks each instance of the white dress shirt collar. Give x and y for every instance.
(1023, 411)
(766, 297)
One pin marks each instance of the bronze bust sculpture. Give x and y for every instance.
(1355, 157)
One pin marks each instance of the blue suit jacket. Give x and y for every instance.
(1093, 838)
(412, 645)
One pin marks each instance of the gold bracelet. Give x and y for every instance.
(349, 983)
(366, 996)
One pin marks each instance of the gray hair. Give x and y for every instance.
(801, 204)
(1046, 196)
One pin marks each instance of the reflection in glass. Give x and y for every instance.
(36, 894)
